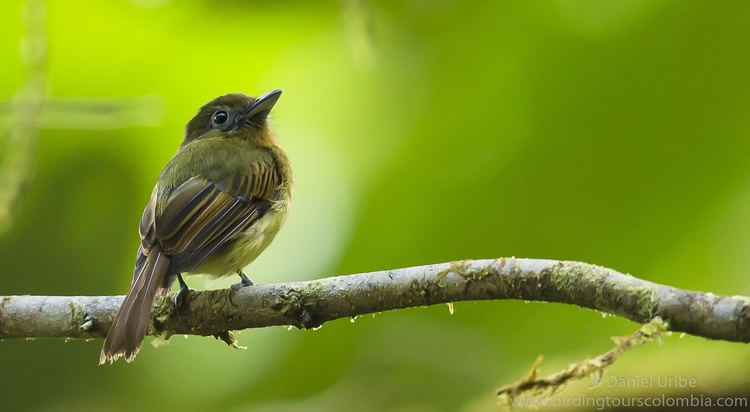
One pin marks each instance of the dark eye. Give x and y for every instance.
(220, 117)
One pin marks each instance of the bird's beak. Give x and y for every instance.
(263, 104)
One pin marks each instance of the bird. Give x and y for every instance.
(217, 204)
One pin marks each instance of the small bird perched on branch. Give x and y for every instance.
(216, 206)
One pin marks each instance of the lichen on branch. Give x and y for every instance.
(309, 304)
(532, 385)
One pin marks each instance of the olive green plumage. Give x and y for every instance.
(216, 206)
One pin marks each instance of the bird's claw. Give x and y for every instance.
(182, 298)
(245, 281)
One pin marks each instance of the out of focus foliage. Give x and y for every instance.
(614, 132)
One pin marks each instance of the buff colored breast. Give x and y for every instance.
(251, 243)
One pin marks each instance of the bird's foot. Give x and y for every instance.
(245, 281)
(182, 298)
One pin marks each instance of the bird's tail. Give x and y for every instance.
(129, 326)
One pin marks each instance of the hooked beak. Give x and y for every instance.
(262, 105)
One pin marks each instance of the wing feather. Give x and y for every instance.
(200, 216)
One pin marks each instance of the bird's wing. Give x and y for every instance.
(200, 215)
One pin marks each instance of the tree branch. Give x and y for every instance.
(533, 385)
(309, 304)
(19, 138)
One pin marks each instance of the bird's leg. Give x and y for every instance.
(245, 281)
(181, 298)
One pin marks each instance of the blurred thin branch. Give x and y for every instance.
(94, 113)
(22, 129)
(310, 304)
(359, 31)
(32, 110)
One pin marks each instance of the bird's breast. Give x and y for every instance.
(248, 245)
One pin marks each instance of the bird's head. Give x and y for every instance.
(233, 116)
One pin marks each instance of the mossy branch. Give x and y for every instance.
(309, 304)
(532, 385)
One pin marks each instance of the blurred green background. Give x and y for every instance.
(423, 131)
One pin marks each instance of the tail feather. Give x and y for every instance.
(129, 326)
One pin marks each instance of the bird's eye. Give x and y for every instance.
(220, 117)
